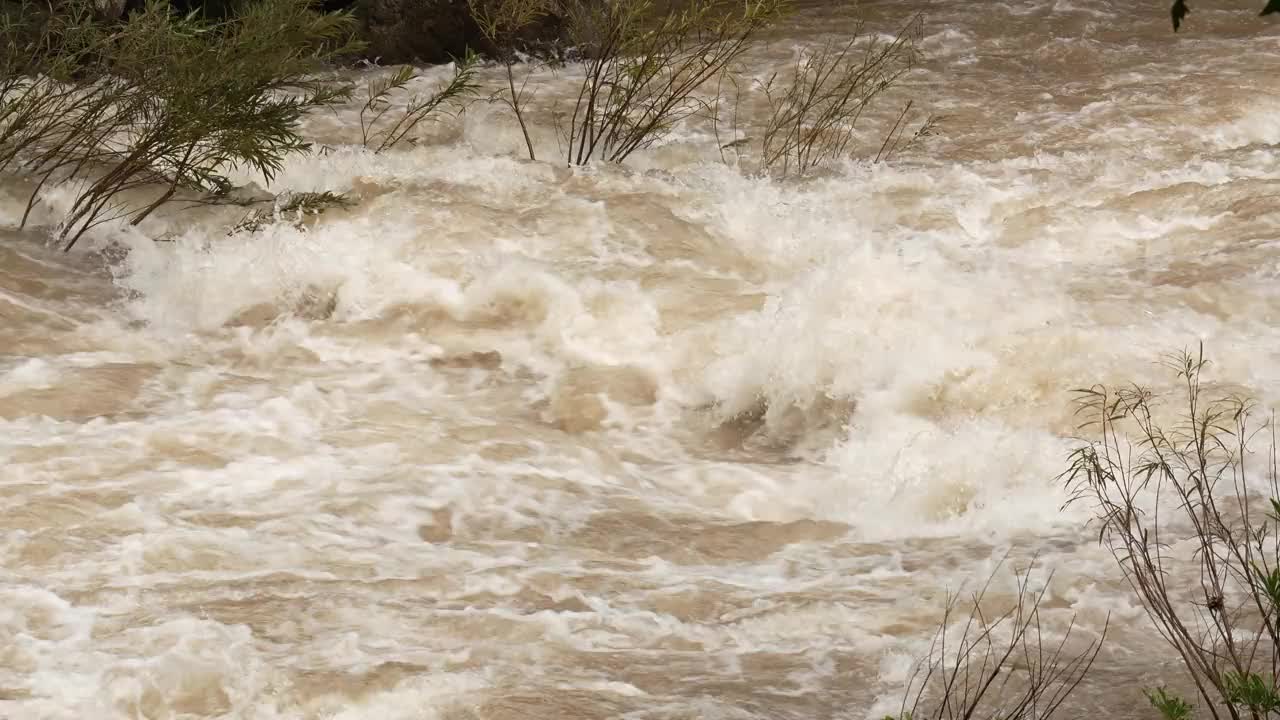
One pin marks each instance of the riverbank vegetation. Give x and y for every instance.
(107, 120)
(1189, 507)
(163, 108)
(155, 108)
(1180, 491)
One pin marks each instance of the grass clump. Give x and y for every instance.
(645, 63)
(649, 65)
(1187, 497)
(1170, 706)
(814, 109)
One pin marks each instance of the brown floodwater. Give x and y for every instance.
(667, 440)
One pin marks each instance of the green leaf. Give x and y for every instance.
(1170, 707)
(1251, 691)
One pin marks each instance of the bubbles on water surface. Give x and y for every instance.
(509, 440)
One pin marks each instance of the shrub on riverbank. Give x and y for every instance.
(814, 109)
(163, 107)
(1184, 494)
(1176, 492)
(649, 66)
(130, 115)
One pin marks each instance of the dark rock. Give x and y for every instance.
(426, 31)
(438, 31)
(110, 10)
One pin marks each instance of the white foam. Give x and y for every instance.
(33, 373)
(361, 430)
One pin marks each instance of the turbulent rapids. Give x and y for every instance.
(506, 440)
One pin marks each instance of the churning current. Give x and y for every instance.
(507, 440)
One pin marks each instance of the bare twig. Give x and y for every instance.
(1002, 666)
